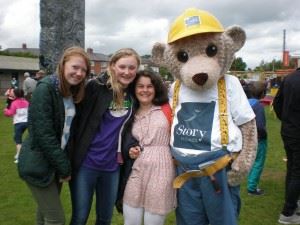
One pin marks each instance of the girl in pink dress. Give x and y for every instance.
(149, 195)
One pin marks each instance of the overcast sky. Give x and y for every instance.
(113, 24)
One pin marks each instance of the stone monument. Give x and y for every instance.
(62, 25)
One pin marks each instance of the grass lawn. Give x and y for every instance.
(18, 208)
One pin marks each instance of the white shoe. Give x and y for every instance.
(16, 161)
(293, 219)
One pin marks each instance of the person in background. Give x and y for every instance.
(29, 85)
(14, 83)
(255, 91)
(95, 146)
(149, 195)
(287, 108)
(19, 111)
(43, 161)
(39, 75)
(10, 96)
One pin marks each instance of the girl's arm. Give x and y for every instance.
(12, 109)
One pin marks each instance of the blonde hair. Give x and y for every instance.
(118, 92)
(77, 91)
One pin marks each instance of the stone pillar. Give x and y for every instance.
(62, 25)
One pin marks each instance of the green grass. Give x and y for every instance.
(18, 208)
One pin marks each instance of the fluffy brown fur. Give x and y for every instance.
(242, 165)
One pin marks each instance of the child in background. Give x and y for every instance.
(255, 91)
(9, 94)
(19, 111)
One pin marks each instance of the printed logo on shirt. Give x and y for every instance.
(195, 126)
(120, 112)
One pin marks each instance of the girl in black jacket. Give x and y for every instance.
(95, 148)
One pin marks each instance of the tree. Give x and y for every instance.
(165, 74)
(238, 65)
(271, 66)
(146, 56)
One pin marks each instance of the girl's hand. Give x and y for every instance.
(66, 179)
(134, 152)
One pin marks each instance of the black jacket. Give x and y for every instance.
(287, 105)
(89, 113)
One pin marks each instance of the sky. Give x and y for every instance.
(114, 24)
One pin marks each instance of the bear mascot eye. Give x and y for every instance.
(211, 50)
(182, 56)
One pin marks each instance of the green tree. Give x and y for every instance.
(146, 56)
(165, 74)
(238, 65)
(271, 66)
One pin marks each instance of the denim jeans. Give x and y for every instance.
(83, 186)
(19, 130)
(200, 204)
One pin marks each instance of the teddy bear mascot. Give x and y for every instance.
(213, 134)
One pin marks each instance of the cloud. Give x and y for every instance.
(19, 23)
(111, 25)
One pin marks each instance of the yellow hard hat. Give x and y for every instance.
(193, 21)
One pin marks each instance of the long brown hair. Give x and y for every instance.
(118, 91)
(77, 91)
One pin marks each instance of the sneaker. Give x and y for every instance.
(257, 192)
(16, 161)
(293, 219)
(298, 208)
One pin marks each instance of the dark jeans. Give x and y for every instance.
(292, 182)
(82, 187)
(19, 130)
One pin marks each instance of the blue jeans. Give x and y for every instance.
(200, 204)
(82, 187)
(19, 130)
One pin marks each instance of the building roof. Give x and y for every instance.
(98, 57)
(18, 63)
(33, 51)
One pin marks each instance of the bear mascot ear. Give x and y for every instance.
(158, 54)
(238, 36)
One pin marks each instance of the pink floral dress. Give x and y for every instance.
(150, 183)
